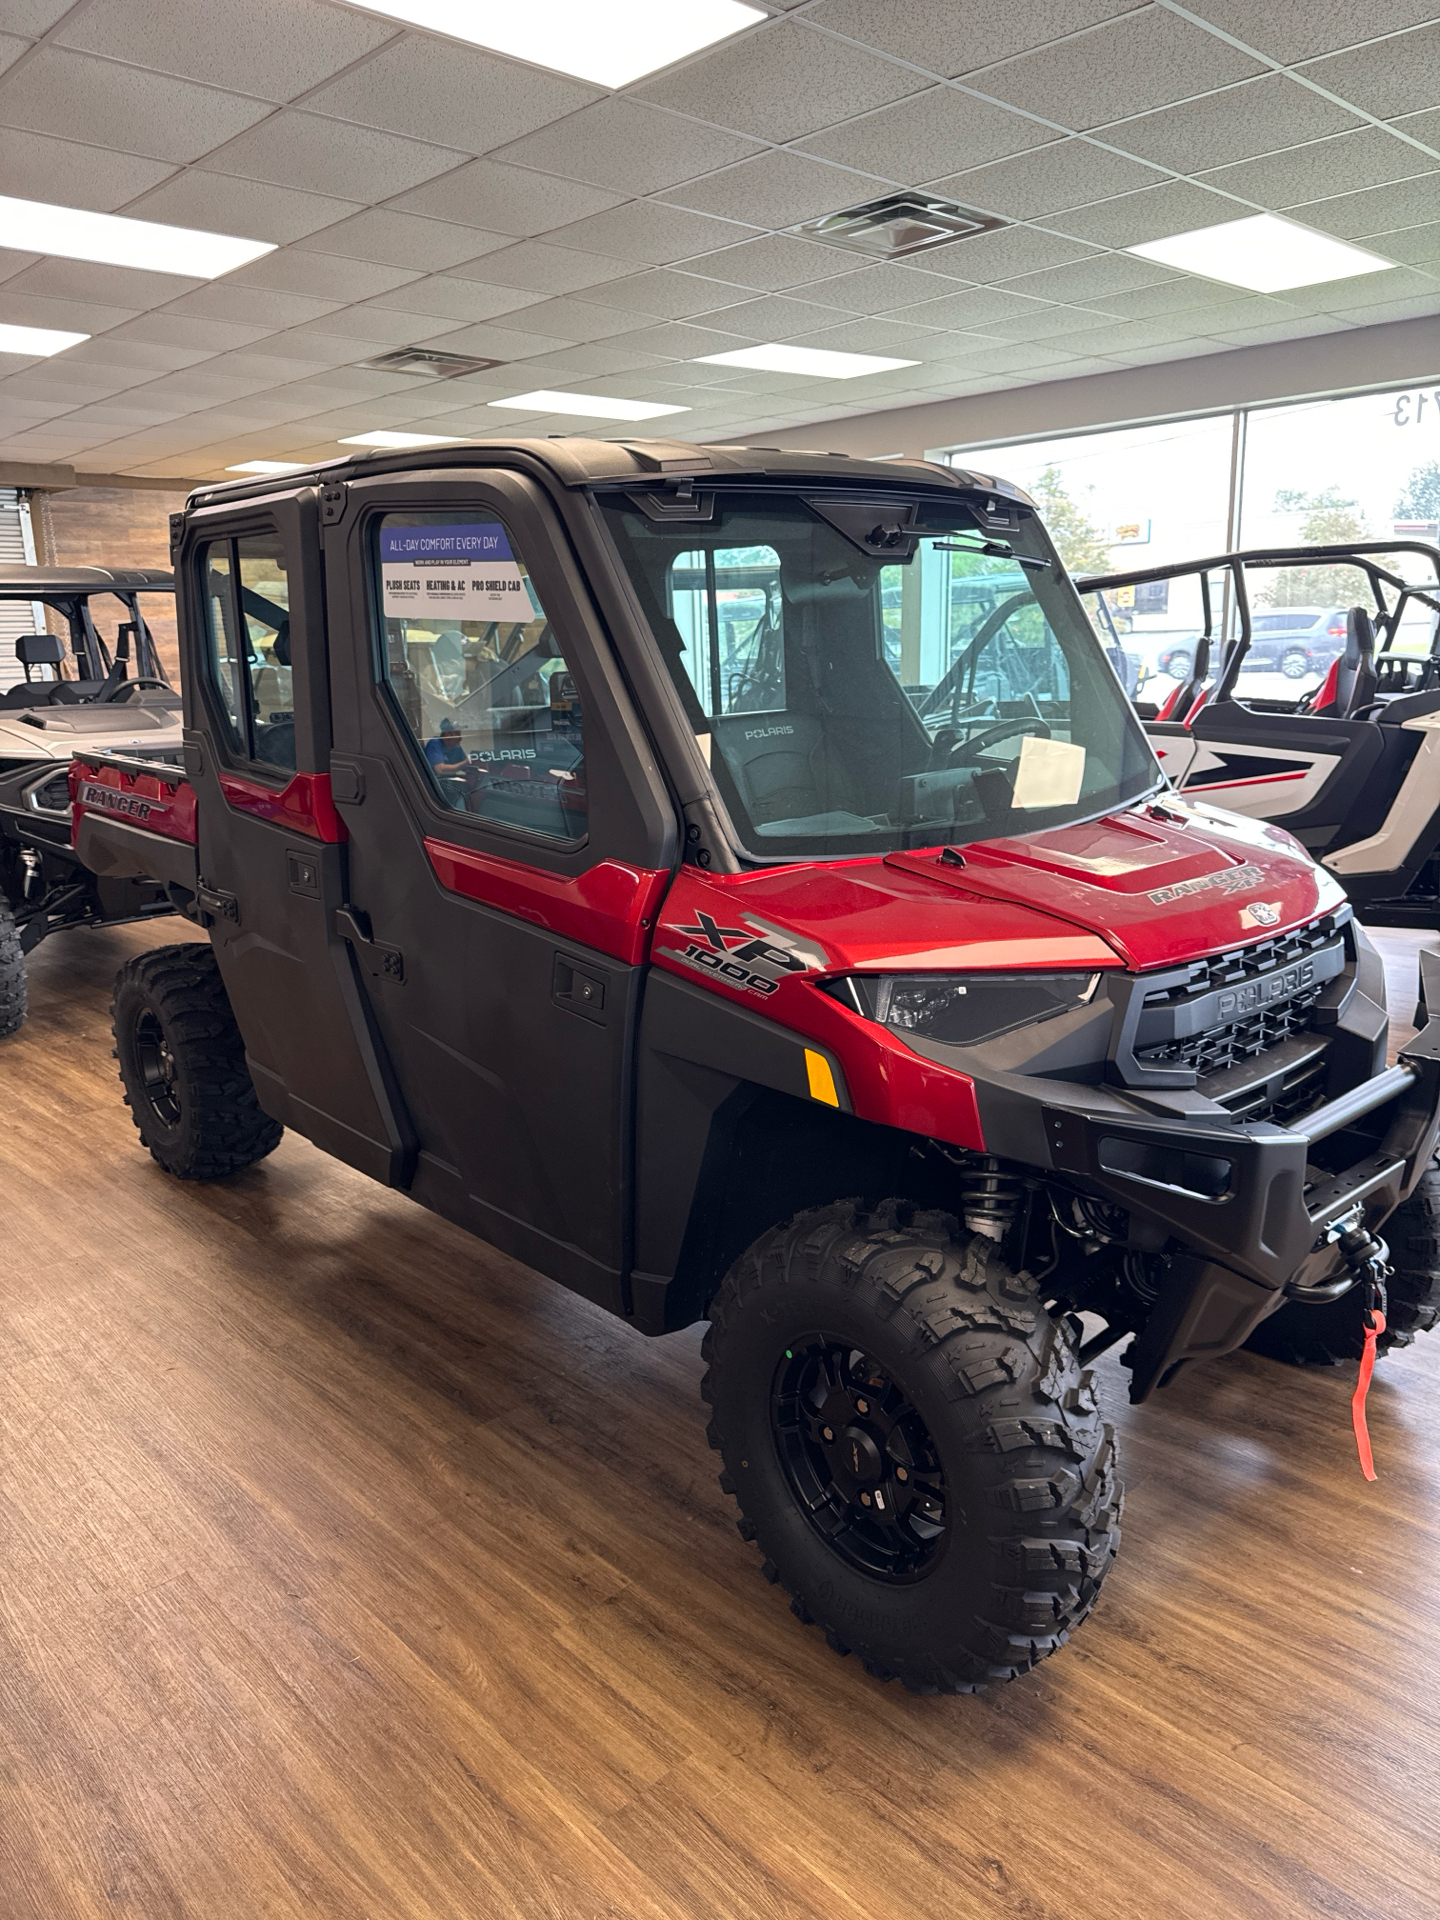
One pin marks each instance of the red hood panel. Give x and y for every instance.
(1160, 891)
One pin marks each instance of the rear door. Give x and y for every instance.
(509, 843)
(257, 746)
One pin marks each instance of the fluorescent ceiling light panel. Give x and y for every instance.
(267, 466)
(385, 438)
(591, 405)
(611, 42)
(32, 226)
(39, 342)
(823, 362)
(1264, 253)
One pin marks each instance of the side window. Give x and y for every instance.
(478, 674)
(729, 611)
(247, 608)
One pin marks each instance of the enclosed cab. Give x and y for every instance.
(736, 884)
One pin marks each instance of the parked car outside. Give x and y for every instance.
(1295, 641)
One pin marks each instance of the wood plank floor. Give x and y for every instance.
(348, 1571)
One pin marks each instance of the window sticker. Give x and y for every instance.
(1049, 773)
(453, 573)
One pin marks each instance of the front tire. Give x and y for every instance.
(1334, 1335)
(182, 1065)
(14, 994)
(955, 1525)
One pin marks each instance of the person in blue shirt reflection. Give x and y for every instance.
(445, 750)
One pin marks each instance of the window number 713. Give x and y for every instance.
(1404, 402)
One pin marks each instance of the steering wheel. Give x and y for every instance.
(967, 750)
(126, 687)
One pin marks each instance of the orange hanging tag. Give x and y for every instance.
(1357, 1405)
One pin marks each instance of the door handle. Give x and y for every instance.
(380, 960)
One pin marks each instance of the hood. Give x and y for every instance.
(1160, 885)
(53, 733)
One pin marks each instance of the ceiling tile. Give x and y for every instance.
(1286, 330)
(1153, 214)
(71, 316)
(503, 199)
(36, 166)
(183, 330)
(1019, 357)
(989, 257)
(88, 280)
(423, 87)
(1422, 308)
(1180, 295)
(773, 317)
(648, 231)
(776, 190)
(11, 50)
(1039, 321)
(773, 262)
(1069, 173)
(305, 150)
(495, 343)
(782, 82)
(1149, 59)
(220, 203)
(1257, 116)
(680, 341)
(251, 306)
(1342, 164)
(544, 268)
(576, 320)
(377, 327)
(145, 356)
(667, 295)
(619, 356)
(1091, 279)
(404, 240)
(877, 289)
(978, 309)
(328, 276)
(124, 107)
(627, 145)
(34, 17)
(274, 48)
(937, 133)
(1288, 31)
(1399, 285)
(1420, 126)
(952, 40)
(1412, 246)
(1392, 76)
(884, 335)
(453, 299)
(1408, 203)
(12, 262)
(1123, 336)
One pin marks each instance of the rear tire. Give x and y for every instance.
(182, 1065)
(1295, 665)
(943, 1386)
(14, 994)
(1334, 1335)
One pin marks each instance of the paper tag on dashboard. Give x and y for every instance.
(1049, 773)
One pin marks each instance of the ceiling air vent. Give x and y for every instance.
(899, 225)
(429, 364)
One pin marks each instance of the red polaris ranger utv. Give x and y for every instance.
(735, 883)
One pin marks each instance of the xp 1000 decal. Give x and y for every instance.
(755, 957)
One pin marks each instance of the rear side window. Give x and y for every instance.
(247, 659)
(477, 674)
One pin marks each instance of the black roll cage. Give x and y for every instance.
(1233, 565)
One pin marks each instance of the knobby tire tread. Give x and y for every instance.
(14, 993)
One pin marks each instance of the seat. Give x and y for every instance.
(1355, 679)
(35, 650)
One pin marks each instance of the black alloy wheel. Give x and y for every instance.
(157, 1072)
(859, 1459)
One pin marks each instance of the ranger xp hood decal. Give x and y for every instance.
(1232, 880)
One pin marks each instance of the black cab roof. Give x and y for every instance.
(578, 462)
(66, 583)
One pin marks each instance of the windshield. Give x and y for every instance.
(851, 704)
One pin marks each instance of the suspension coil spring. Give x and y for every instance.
(989, 1198)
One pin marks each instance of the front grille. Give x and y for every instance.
(54, 795)
(1236, 1042)
(1280, 1099)
(1247, 963)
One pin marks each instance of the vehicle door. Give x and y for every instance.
(509, 842)
(270, 844)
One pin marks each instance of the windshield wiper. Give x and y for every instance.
(998, 548)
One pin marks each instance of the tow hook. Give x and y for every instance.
(1369, 1261)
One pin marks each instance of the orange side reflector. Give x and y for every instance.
(822, 1080)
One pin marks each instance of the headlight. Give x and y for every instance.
(963, 1008)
